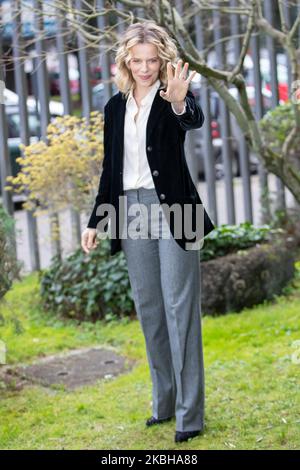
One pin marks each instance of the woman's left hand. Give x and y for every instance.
(178, 84)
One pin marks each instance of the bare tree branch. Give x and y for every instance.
(83, 22)
(246, 40)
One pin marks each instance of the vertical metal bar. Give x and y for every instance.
(63, 65)
(21, 89)
(208, 154)
(105, 59)
(287, 17)
(242, 145)
(42, 76)
(43, 94)
(5, 164)
(298, 11)
(224, 124)
(120, 26)
(179, 6)
(140, 12)
(268, 11)
(265, 214)
(190, 137)
(34, 83)
(86, 96)
(66, 100)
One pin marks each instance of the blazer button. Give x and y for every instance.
(155, 173)
(149, 148)
(162, 196)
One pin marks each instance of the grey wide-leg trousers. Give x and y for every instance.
(165, 283)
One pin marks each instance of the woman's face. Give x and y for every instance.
(144, 64)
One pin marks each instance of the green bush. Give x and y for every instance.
(227, 239)
(96, 286)
(9, 265)
(88, 287)
(277, 124)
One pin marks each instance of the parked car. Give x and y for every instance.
(13, 124)
(96, 74)
(11, 98)
(198, 142)
(217, 141)
(74, 83)
(13, 127)
(265, 72)
(98, 96)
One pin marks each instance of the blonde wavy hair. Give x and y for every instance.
(139, 33)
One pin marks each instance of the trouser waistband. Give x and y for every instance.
(140, 191)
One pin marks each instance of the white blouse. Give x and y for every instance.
(136, 170)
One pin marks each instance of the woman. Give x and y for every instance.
(144, 162)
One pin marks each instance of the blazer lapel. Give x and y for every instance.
(158, 106)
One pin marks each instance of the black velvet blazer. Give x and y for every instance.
(165, 135)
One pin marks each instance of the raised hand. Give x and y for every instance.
(178, 84)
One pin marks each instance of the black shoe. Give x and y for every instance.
(153, 420)
(181, 436)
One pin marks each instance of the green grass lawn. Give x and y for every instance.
(252, 381)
